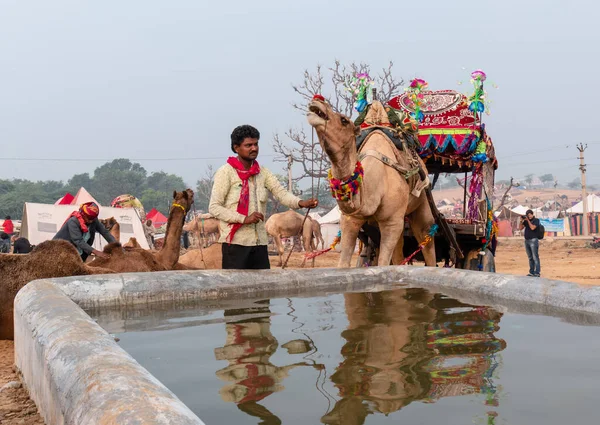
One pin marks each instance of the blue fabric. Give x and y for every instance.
(532, 247)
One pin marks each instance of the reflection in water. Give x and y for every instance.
(401, 346)
(248, 348)
(408, 345)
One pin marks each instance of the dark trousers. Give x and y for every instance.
(245, 257)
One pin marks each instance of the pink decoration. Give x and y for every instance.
(478, 74)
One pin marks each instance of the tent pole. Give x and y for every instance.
(465, 198)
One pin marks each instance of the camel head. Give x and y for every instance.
(337, 133)
(185, 198)
(108, 222)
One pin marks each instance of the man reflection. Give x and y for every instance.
(408, 345)
(248, 348)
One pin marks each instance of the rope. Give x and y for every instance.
(336, 240)
(428, 238)
(199, 237)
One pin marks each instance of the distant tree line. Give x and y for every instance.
(121, 176)
(108, 181)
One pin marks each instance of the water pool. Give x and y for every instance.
(402, 356)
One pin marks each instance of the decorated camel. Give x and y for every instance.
(367, 189)
(288, 224)
(55, 258)
(135, 259)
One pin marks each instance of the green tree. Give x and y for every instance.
(78, 181)
(160, 200)
(116, 178)
(574, 184)
(528, 178)
(165, 182)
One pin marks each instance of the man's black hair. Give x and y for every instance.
(529, 211)
(4, 235)
(7, 217)
(243, 132)
(22, 246)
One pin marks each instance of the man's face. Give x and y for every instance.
(530, 215)
(248, 149)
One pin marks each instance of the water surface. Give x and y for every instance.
(403, 356)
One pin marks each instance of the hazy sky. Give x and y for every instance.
(170, 79)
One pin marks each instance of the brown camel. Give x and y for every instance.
(135, 259)
(203, 259)
(55, 258)
(317, 235)
(204, 227)
(113, 227)
(288, 224)
(384, 197)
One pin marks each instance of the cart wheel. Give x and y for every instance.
(368, 256)
(471, 262)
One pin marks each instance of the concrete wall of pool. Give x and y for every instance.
(77, 374)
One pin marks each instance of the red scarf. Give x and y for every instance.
(79, 217)
(244, 202)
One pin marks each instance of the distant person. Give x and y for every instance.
(532, 243)
(239, 201)
(4, 243)
(149, 231)
(22, 246)
(8, 225)
(80, 229)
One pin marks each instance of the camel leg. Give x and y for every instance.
(280, 249)
(350, 227)
(421, 221)
(398, 256)
(391, 233)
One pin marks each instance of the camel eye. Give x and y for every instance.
(345, 121)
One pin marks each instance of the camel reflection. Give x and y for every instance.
(408, 345)
(248, 348)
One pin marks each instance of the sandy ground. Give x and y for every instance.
(561, 259)
(15, 405)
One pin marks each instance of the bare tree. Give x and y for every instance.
(505, 196)
(331, 83)
(204, 188)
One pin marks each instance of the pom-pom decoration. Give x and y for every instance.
(480, 152)
(360, 87)
(319, 97)
(343, 190)
(476, 101)
(415, 93)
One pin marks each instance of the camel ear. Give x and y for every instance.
(185, 195)
(174, 194)
(357, 130)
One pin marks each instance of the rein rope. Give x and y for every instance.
(428, 238)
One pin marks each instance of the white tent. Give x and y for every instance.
(41, 222)
(593, 205)
(330, 226)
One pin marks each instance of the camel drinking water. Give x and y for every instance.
(384, 196)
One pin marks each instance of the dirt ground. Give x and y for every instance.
(15, 405)
(566, 260)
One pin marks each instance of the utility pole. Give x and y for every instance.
(581, 148)
(290, 162)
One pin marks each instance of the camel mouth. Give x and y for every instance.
(316, 108)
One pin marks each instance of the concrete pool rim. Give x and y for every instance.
(77, 374)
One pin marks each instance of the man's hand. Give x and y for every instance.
(309, 203)
(100, 254)
(253, 218)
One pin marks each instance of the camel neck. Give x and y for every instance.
(343, 163)
(169, 253)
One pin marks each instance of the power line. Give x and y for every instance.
(112, 159)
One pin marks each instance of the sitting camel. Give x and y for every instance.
(210, 258)
(287, 224)
(55, 258)
(384, 196)
(135, 259)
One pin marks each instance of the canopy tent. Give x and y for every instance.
(330, 226)
(593, 205)
(158, 218)
(65, 200)
(42, 221)
(332, 217)
(81, 197)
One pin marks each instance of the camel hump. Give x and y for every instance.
(114, 248)
(51, 247)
